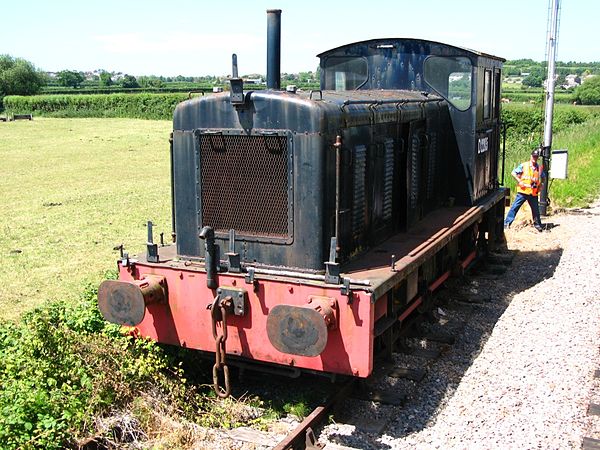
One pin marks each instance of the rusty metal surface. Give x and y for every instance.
(121, 302)
(299, 435)
(297, 330)
(124, 302)
(413, 247)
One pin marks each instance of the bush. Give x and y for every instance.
(137, 106)
(589, 92)
(57, 90)
(62, 366)
(19, 77)
(68, 378)
(528, 120)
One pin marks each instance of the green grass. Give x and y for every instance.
(68, 376)
(71, 190)
(576, 128)
(583, 184)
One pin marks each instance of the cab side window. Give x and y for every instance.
(487, 94)
(451, 78)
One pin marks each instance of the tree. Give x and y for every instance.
(532, 80)
(19, 77)
(512, 71)
(129, 82)
(105, 79)
(151, 81)
(589, 92)
(70, 78)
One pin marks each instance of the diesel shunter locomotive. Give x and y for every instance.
(310, 227)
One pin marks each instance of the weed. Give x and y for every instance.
(298, 409)
(67, 378)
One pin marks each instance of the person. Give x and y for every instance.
(529, 180)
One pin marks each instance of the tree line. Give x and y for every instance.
(20, 77)
(534, 73)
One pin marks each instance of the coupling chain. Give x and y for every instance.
(219, 314)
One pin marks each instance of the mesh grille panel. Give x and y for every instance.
(358, 202)
(245, 184)
(388, 186)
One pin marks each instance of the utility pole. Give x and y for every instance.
(547, 144)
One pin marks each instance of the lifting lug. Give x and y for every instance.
(346, 290)
(249, 278)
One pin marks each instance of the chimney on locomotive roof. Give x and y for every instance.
(273, 48)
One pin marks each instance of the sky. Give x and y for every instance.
(196, 38)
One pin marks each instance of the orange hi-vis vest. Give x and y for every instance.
(530, 179)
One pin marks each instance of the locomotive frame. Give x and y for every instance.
(310, 227)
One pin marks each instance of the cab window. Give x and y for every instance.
(345, 73)
(451, 77)
(487, 94)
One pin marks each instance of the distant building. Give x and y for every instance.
(571, 81)
(545, 83)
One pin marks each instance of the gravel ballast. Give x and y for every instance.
(521, 374)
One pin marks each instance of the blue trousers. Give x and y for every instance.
(519, 200)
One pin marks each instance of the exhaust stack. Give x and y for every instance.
(273, 48)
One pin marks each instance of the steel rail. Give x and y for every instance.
(299, 435)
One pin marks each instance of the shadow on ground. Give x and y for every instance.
(467, 309)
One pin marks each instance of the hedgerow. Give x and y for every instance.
(51, 90)
(136, 106)
(528, 120)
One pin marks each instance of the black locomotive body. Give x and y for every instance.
(411, 143)
(317, 222)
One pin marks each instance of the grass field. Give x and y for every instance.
(70, 191)
(73, 189)
(583, 183)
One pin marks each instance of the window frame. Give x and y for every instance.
(447, 94)
(328, 71)
(487, 94)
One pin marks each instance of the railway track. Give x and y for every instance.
(399, 380)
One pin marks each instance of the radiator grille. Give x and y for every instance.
(244, 184)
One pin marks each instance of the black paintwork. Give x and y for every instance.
(404, 154)
(398, 64)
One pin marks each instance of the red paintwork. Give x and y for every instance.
(186, 321)
(410, 309)
(470, 258)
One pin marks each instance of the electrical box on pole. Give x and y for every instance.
(559, 164)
